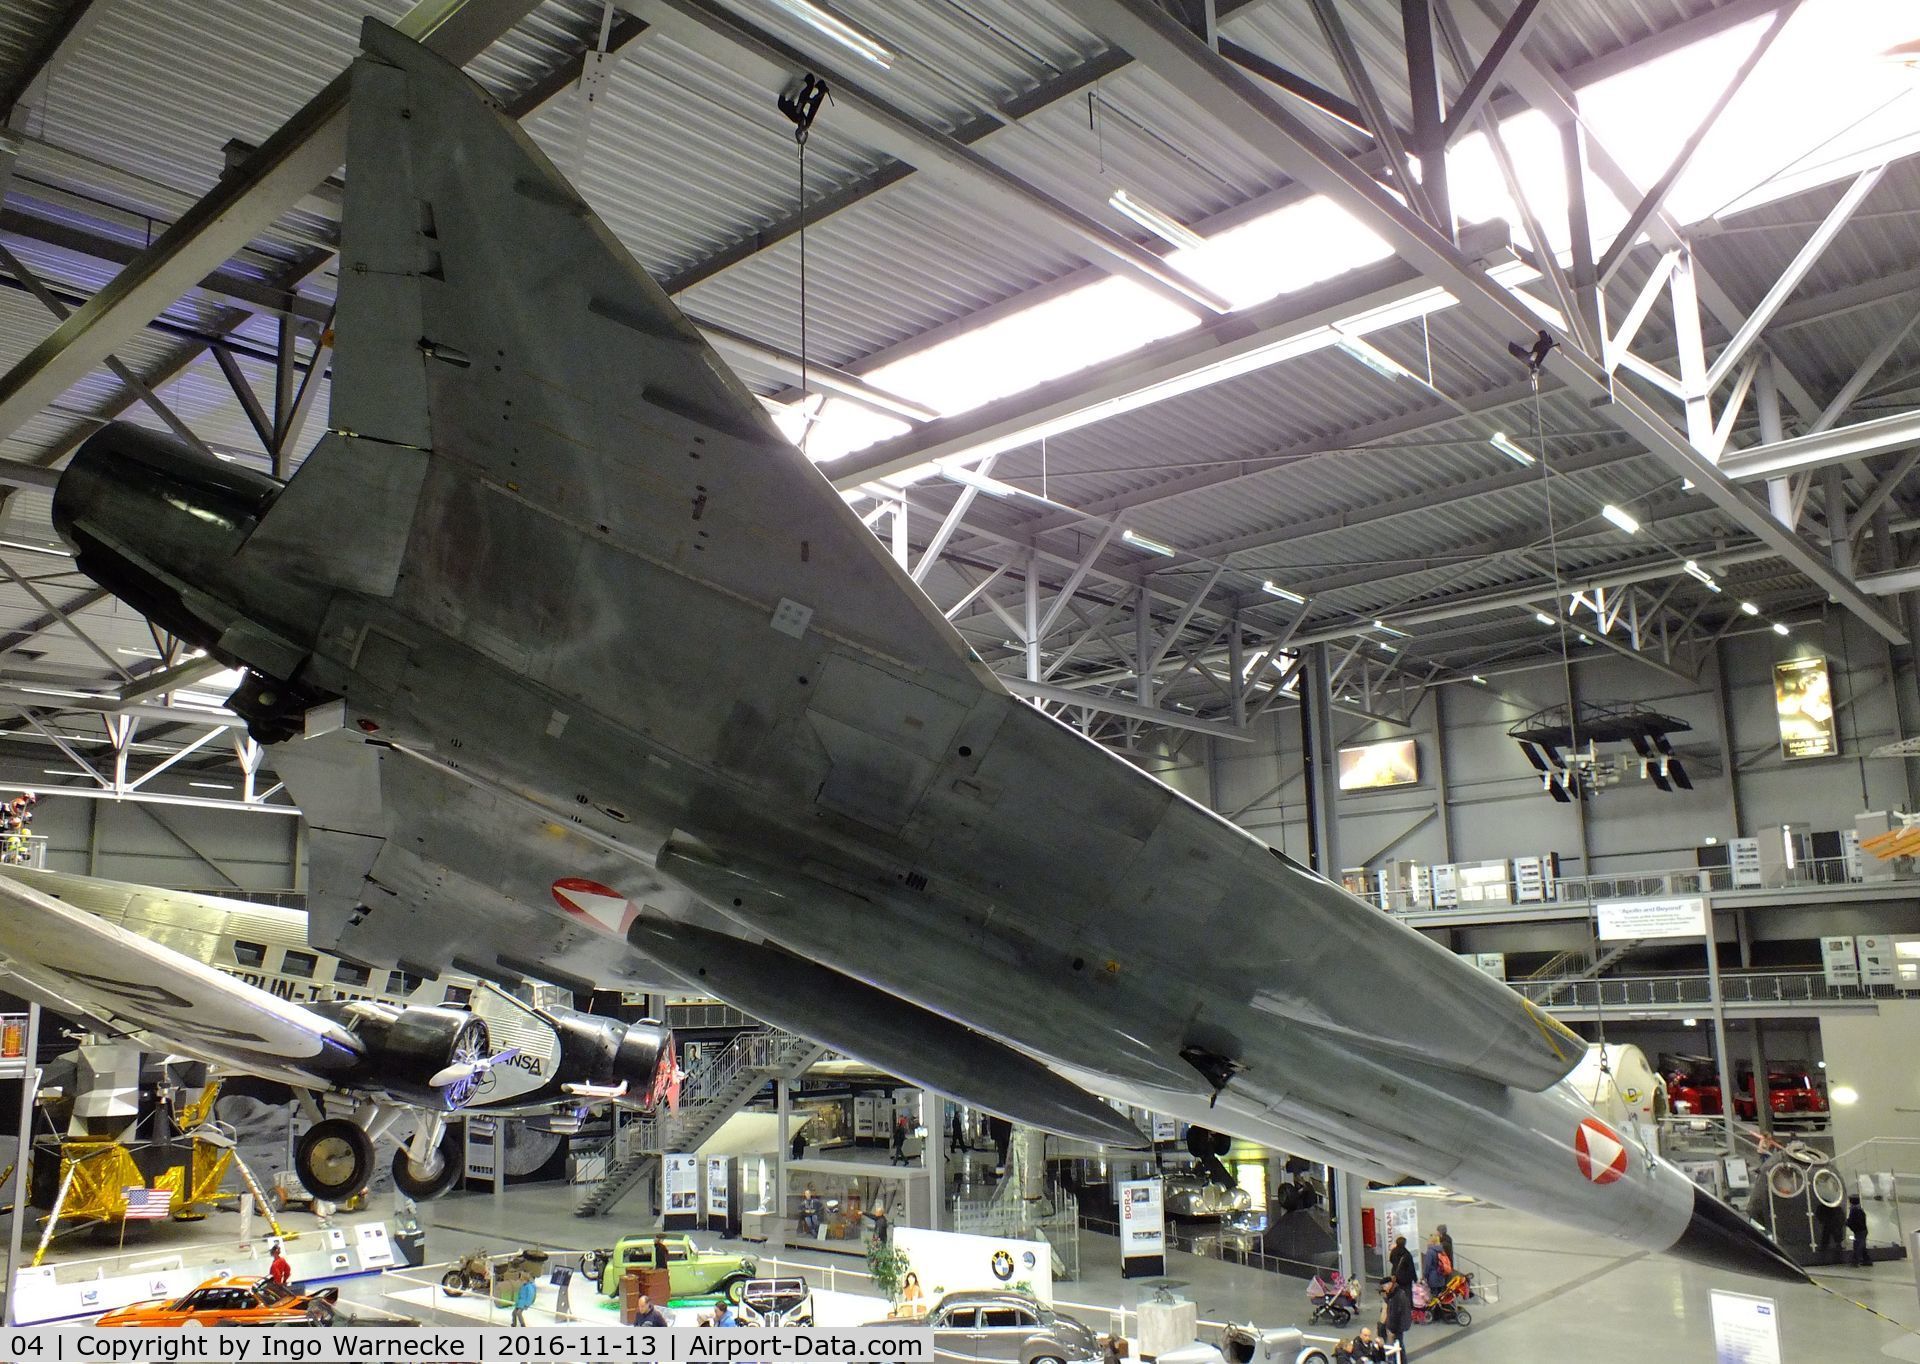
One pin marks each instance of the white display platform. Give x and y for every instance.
(590, 1308)
(59, 1292)
(1167, 1326)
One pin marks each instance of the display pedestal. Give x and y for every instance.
(1166, 1326)
(760, 1226)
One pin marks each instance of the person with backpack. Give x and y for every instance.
(1436, 1266)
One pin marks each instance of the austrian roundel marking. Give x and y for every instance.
(600, 905)
(1599, 1152)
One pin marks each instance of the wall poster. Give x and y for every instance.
(1803, 695)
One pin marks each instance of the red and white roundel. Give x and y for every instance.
(1599, 1152)
(599, 905)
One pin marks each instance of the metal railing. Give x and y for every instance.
(1808, 873)
(1687, 991)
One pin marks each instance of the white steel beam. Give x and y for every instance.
(306, 150)
(740, 47)
(1839, 445)
(1132, 710)
(1816, 246)
(1257, 122)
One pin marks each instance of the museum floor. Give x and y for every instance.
(1564, 1296)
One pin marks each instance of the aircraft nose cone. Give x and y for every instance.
(1720, 1237)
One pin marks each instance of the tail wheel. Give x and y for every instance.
(334, 1159)
(425, 1183)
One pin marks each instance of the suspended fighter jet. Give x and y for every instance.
(69, 942)
(593, 641)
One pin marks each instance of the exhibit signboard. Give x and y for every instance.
(1165, 1128)
(953, 1262)
(376, 1250)
(1803, 696)
(1877, 965)
(1746, 1330)
(718, 1193)
(482, 1138)
(1143, 1228)
(1397, 1219)
(680, 1189)
(1838, 961)
(1636, 920)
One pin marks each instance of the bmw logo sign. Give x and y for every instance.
(1002, 1265)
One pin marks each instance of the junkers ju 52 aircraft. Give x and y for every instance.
(69, 942)
(586, 628)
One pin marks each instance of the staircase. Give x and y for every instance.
(711, 1093)
(1573, 965)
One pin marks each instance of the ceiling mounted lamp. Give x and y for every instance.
(1151, 546)
(1376, 359)
(1504, 443)
(1779, 629)
(1700, 575)
(1544, 618)
(1163, 225)
(1621, 518)
(839, 30)
(1387, 629)
(1749, 608)
(1273, 589)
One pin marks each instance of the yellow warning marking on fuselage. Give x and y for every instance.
(1550, 1028)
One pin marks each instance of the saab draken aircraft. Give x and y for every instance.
(72, 943)
(578, 668)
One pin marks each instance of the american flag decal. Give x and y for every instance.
(147, 1205)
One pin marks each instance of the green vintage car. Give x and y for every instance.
(694, 1273)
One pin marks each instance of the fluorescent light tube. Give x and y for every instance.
(1387, 629)
(1374, 358)
(1502, 442)
(1164, 226)
(839, 30)
(1749, 608)
(1151, 546)
(1698, 573)
(1779, 629)
(994, 487)
(1481, 680)
(1273, 589)
(1544, 618)
(37, 549)
(1620, 519)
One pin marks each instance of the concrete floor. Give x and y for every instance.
(1565, 1297)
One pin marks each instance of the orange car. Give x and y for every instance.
(231, 1300)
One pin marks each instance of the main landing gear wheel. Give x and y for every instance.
(334, 1159)
(424, 1183)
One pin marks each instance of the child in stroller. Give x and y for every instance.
(1449, 1304)
(1333, 1298)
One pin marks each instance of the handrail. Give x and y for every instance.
(1736, 987)
(1595, 887)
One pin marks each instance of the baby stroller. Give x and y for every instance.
(1333, 1298)
(1448, 1305)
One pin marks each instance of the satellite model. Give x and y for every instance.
(1580, 729)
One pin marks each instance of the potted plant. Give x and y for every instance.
(888, 1266)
